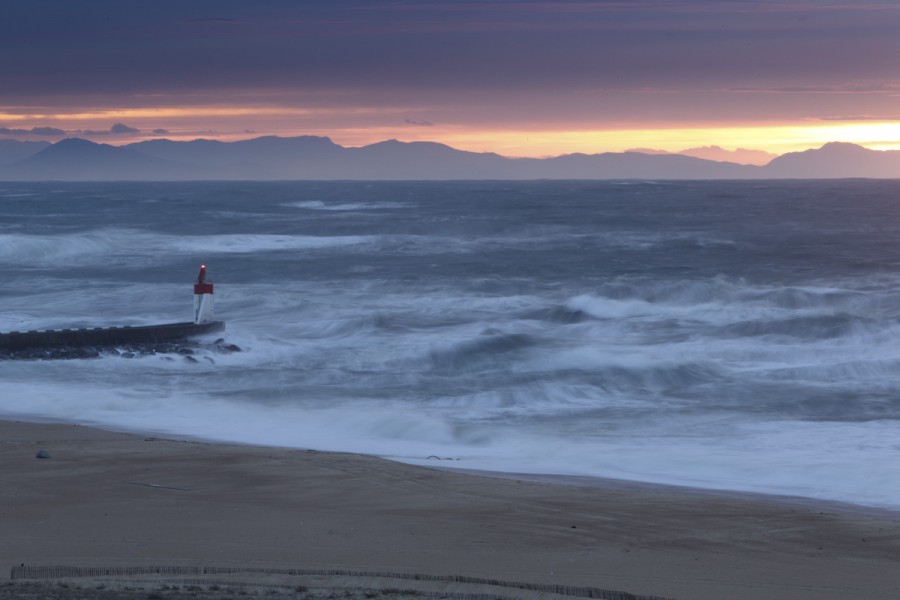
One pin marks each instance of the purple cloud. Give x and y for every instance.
(47, 131)
(121, 128)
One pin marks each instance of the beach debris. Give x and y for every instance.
(158, 486)
(42, 454)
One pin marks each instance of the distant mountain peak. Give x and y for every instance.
(837, 160)
(77, 159)
(12, 151)
(743, 156)
(76, 140)
(831, 148)
(841, 145)
(81, 147)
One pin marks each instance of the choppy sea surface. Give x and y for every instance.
(728, 335)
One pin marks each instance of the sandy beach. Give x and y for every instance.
(115, 500)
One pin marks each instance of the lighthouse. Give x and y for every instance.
(203, 299)
(73, 343)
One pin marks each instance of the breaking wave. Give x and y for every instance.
(578, 328)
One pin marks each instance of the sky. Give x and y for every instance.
(520, 78)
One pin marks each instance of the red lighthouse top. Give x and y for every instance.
(201, 287)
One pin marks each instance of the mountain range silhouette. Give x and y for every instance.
(319, 158)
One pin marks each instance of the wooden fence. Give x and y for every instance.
(62, 571)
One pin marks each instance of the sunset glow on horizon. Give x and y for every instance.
(518, 78)
(232, 123)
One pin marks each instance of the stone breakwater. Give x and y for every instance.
(186, 350)
(105, 336)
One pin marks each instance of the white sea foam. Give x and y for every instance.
(344, 206)
(130, 248)
(569, 335)
(850, 462)
(135, 248)
(245, 243)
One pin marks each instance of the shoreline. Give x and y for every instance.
(595, 481)
(609, 483)
(118, 499)
(589, 481)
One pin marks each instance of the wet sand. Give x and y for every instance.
(113, 499)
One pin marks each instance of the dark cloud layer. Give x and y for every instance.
(43, 131)
(121, 128)
(61, 47)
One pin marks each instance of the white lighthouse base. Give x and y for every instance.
(203, 308)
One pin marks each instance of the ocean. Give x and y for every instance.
(723, 335)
